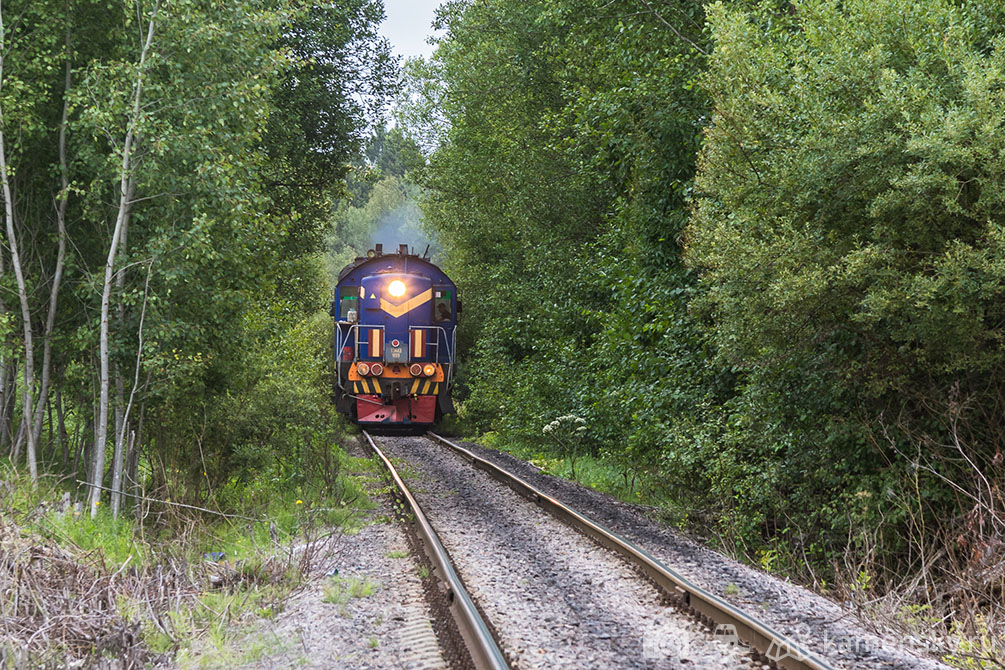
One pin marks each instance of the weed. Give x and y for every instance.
(397, 553)
(155, 572)
(339, 591)
(373, 642)
(423, 571)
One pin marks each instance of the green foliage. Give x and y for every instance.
(339, 73)
(849, 240)
(559, 190)
(339, 590)
(247, 122)
(393, 152)
(248, 118)
(760, 255)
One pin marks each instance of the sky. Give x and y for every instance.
(407, 25)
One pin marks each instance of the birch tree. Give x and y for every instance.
(29, 368)
(61, 201)
(127, 187)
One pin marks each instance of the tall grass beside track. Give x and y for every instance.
(163, 583)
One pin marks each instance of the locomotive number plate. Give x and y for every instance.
(395, 355)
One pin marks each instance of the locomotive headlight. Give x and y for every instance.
(429, 369)
(396, 288)
(363, 369)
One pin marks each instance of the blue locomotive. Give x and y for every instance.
(395, 340)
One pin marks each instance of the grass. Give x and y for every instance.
(221, 650)
(404, 468)
(596, 472)
(397, 553)
(340, 590)
(206, 623)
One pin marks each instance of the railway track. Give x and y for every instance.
(598, 614)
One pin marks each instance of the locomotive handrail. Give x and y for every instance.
(450, 342)
(354, 327)
(340, 343)
(342, 337)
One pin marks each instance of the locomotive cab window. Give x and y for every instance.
(442, 305)
(348, 300)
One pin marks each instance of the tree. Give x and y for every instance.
(559, 190)
(848, 232)
(150, 123)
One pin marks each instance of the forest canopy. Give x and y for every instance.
(169, 171)
(757, 247)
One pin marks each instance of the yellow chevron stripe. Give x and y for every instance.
(415, 387)
(436, 389)
(408, 305)
(425, 387)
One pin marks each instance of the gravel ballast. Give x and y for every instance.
(388, 629)
(825, 627)
(554, 598)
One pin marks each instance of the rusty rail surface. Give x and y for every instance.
(481, 645)
(770, 646)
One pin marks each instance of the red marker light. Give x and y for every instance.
(376, 369)
(415, 370)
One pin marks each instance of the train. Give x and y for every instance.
(395, 341)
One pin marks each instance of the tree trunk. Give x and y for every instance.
(80, 443)
(133, 459)
(57, 277)
(48, 408)
(22, 291)
(8, 374)
(117, 487)
(121, 426)
(126, 187)
(61, 435)
(19, 440)
(120, 437)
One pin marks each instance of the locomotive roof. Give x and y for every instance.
(375, 255)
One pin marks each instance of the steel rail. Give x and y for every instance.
(481, 645)
(773, 646)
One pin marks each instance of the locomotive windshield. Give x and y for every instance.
(442, 307)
